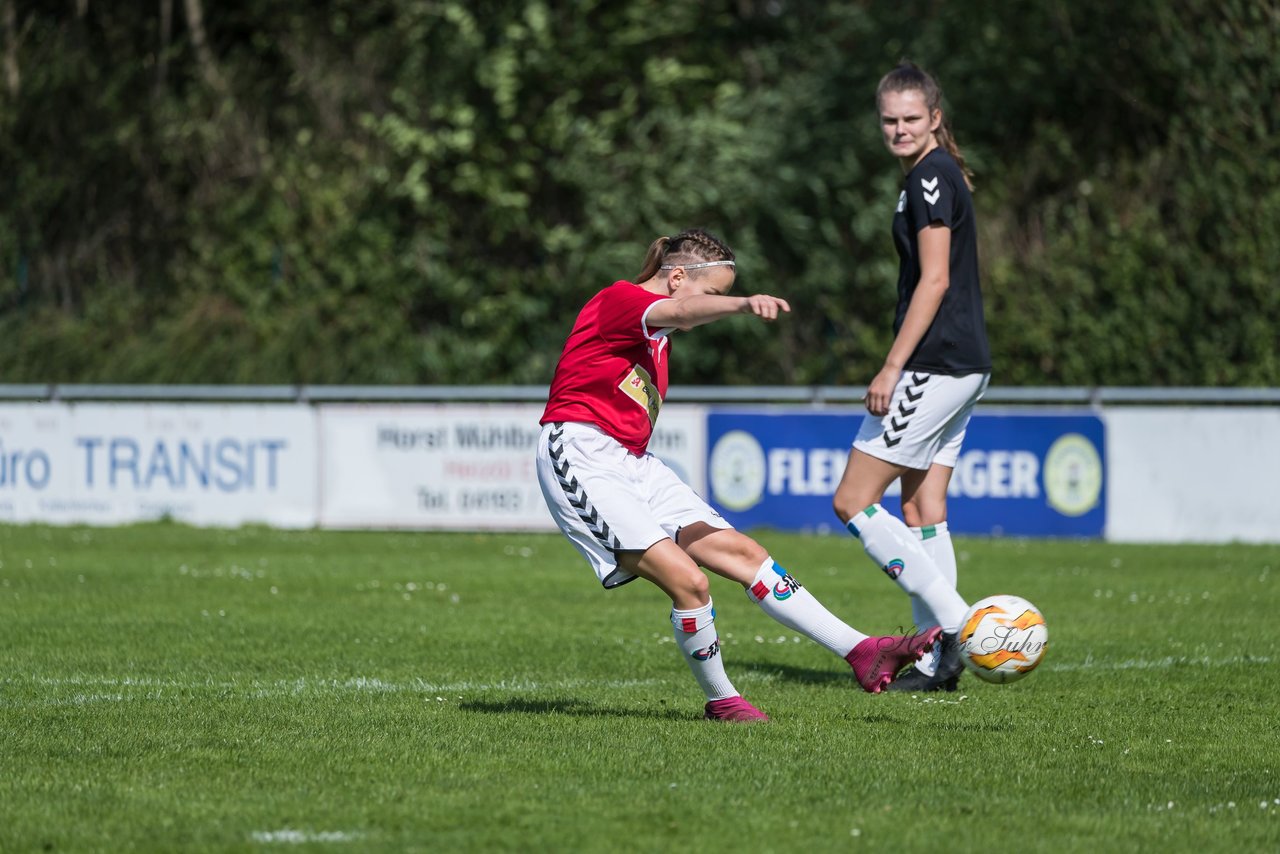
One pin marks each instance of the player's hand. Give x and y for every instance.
(880, 392)
(766, 307)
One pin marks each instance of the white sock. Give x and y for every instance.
(936, 542)
(781, 597)
(696, 636)
(893, 547)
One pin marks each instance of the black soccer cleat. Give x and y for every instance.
(911, 679)
(916, 681)
(947, 673)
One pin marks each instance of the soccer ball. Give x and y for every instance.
(1002, 638)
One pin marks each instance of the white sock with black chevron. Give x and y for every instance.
(781, 597)
(696, 636)
(936, 542)
(893, 547)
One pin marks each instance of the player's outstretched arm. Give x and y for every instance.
(691, 311)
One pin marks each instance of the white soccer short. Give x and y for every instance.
(607, 500)
(927, 418)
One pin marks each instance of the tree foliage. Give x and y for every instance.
(424, 191)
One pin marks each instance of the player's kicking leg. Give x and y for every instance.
(874, 659)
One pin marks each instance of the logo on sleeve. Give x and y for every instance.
(902, 202)
(931, 190)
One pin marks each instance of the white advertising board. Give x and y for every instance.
(118, 463)
(1174, 474)
(1193, 474)
(453, 467)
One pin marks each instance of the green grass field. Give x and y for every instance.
(165, 688)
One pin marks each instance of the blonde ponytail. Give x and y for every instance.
(653, 259)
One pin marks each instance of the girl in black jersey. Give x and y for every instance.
(920, 402)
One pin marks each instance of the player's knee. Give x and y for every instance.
(693, 585)
(699, 587)
(846, 505)
(918, 513)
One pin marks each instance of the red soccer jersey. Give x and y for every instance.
(613, 370)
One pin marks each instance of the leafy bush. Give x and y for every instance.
(398, 192)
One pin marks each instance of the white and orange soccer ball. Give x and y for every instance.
(1002, 638)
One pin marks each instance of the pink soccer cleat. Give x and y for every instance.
(733, 709)
(875, 661)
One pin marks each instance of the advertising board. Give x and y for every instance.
(455, 467)
(197, 463)
(1022, 474)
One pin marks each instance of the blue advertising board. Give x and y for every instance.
(1018, 474)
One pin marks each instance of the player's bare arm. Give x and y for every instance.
(699, 309)
(935, 253)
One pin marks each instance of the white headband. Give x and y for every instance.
(698, 265)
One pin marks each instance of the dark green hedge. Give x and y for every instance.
(396, 191)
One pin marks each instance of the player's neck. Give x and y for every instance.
(911, 162)
(654, 285)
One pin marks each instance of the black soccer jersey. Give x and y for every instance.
(956, 342)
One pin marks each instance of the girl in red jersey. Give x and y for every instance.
(630, 515)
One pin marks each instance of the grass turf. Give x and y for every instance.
(168, 688)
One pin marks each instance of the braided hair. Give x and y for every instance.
(687, 247)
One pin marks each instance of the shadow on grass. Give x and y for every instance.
(790, 673)
(577, 708)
